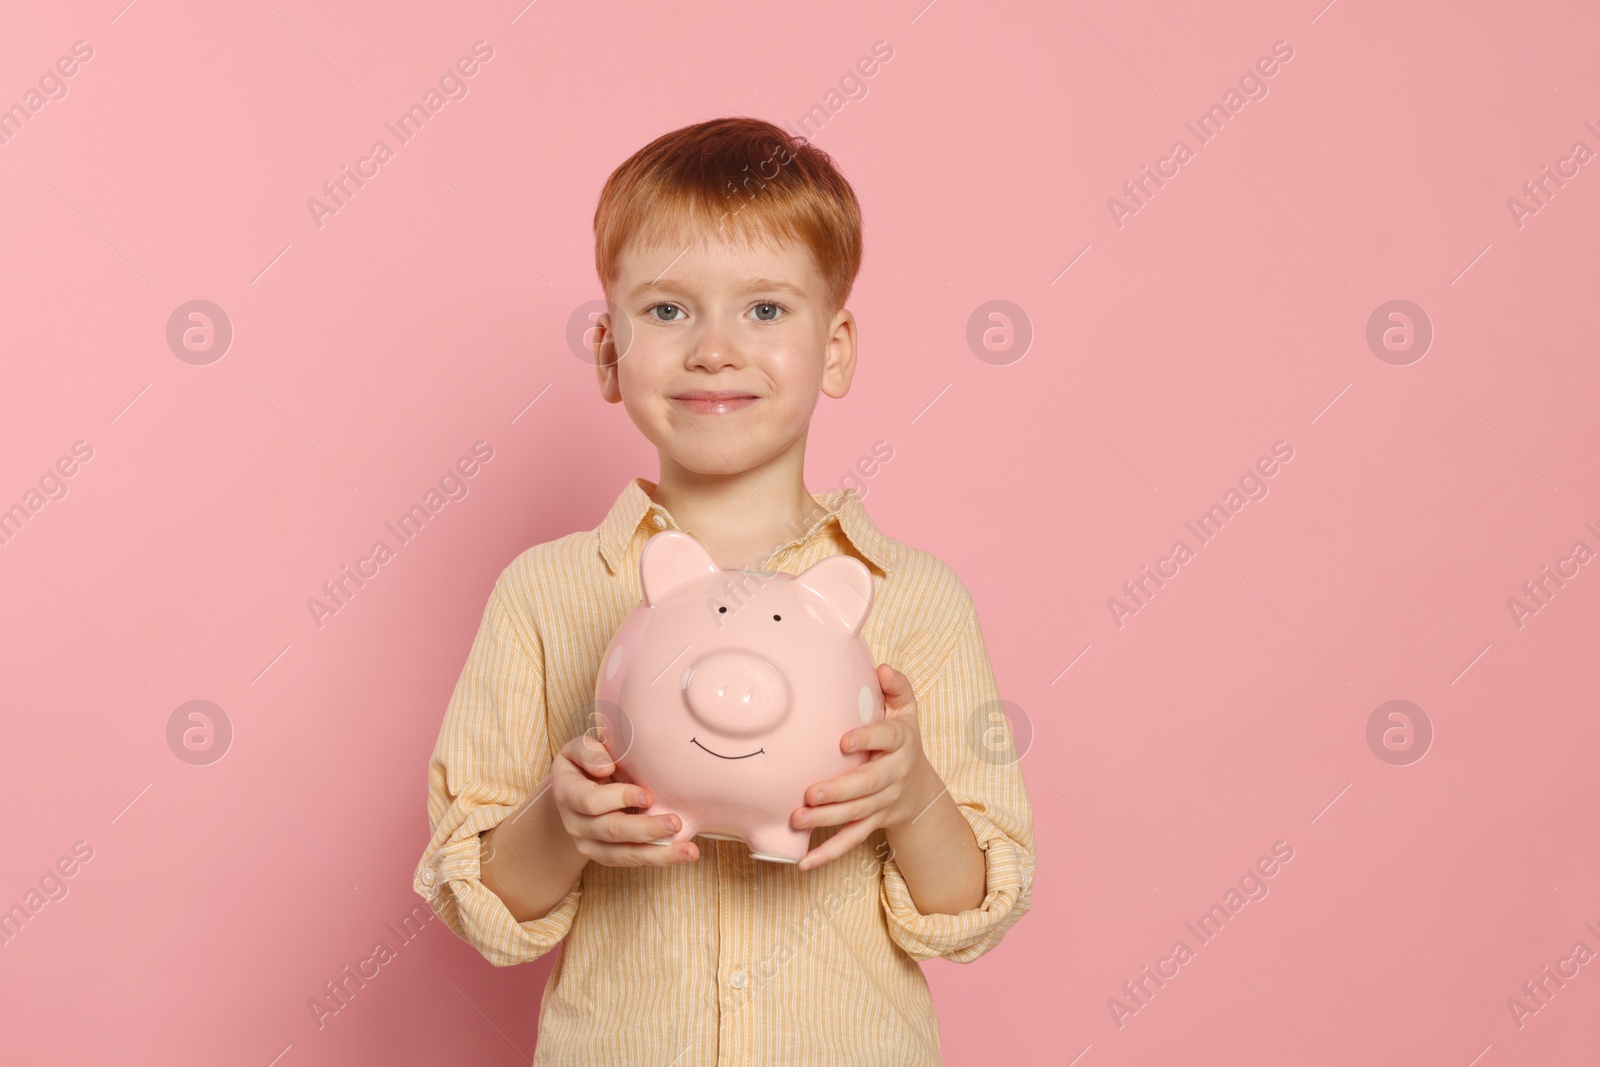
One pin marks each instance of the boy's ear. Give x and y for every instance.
(606, 375)
(609, 337)
(671, 562)
(846, 584)
(839, 355)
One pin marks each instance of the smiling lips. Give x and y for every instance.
(719, 755)
(709, 402)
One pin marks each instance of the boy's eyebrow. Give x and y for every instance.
(749, 285)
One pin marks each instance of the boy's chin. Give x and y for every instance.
(712, 464)
(720, 468)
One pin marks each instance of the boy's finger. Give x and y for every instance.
(636, 829)
(869, 778)
(874, 737)
(895, 685)
(843, 812)
(594, 800)
(649, 855)
(837, 845)
(590, 756)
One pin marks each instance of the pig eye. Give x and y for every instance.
(722, 609)
(777, 618)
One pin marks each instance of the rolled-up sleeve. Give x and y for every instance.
(492, 749)
(969, 742)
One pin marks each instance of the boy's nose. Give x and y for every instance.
(713, 347)
(738, 694)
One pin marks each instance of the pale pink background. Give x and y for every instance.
(1228, 314)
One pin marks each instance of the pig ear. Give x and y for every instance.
(845, 583)
(672, 560)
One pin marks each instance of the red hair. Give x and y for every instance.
(740, 179)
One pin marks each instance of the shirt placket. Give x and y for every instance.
(733, 885)
(733, 969)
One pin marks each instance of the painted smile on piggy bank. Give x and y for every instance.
(719, 755)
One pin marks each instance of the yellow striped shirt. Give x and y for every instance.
(728, 960)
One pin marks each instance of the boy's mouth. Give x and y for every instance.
(706, 402)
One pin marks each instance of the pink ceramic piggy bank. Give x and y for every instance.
(725, 693)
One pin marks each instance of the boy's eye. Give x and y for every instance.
(763, 312)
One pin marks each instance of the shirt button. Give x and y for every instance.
(736, 979)
(427, 876)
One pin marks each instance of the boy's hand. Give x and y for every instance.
(894, 786)
(594, 812)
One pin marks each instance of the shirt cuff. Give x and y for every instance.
(966, 935)
(450, 879)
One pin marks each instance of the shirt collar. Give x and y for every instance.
(842, 506)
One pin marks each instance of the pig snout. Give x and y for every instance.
(736, 693)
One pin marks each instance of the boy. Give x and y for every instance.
(726, 250)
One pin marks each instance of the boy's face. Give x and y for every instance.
(750, 323)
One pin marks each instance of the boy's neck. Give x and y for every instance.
(745, 517)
